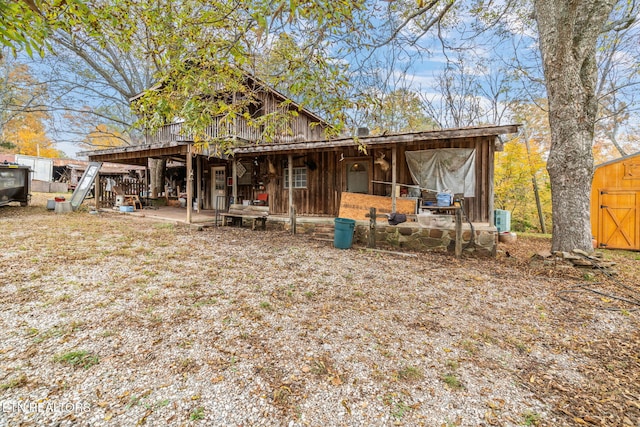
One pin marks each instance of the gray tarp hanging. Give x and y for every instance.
(452, 169)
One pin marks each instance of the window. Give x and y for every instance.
(299, 178)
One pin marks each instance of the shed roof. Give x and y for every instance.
(619, 159)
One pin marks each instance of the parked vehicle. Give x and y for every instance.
(15, 184)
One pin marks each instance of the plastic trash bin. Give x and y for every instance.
(343, 234)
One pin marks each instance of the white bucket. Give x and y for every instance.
(119, 200)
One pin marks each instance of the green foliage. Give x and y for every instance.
(452, 381)
(78, 358)
(514, 171)
(27, 24)
(197, 414)
(398, 111)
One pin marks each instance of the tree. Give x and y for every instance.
(398, 111)
(27, 132)
(27, 23)
(515, 168)
(568, 33)
(22, 118)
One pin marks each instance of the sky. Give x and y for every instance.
(422, 75)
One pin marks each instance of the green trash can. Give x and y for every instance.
(343, 234)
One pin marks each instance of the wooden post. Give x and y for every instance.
(372, 227)
(292, 219)
(292, 213)
(189, 184)
(98, 190)
(234, 181)
(459, 232)
(199, 183)
(394, 176)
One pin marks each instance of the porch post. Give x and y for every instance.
(394, 177)
(189, 183)
(292, 218)
(199, 183)
(234, 180)
(98, 190)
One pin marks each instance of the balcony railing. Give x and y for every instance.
(300, 130)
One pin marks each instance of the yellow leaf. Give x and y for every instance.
(108, 416)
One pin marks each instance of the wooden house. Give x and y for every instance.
(376, 165)
(303, 174)
(615, 203)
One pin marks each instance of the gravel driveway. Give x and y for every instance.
(106, 320)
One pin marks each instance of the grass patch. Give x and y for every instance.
(452, 381)
(409, 373)
(77, 358)
(530, 418)
(197, 414)
(15, 382)
(266, 305)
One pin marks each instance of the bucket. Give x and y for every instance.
(119, 200)
(443, 199)
(343, 234)
(507, 237)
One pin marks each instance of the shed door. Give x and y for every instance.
(618, 219)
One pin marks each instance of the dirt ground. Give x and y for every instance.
(107, 319)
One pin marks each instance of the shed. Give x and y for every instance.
(615, 203)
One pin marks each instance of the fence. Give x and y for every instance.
(128, 186)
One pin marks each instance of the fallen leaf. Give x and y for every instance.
(346, 406)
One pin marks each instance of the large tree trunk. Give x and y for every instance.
(568, 34)
(157, 168)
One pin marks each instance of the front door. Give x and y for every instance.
(358, 177)
(619, 219)
(219, 188)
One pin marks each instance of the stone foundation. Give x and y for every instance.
(408, 235)
(423, 239)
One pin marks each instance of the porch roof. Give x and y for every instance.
(137, 154)
(402, 138)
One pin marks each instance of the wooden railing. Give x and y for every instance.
(108, 198)
(173, 132)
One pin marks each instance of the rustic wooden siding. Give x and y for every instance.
(326, 182)
(301, 128)
(615, 183)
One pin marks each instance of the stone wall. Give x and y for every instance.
(423, 239)
(408, 235)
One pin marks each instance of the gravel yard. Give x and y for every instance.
(107, 320)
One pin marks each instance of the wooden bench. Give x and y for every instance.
(237, 213)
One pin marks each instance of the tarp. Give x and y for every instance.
(441, 169)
